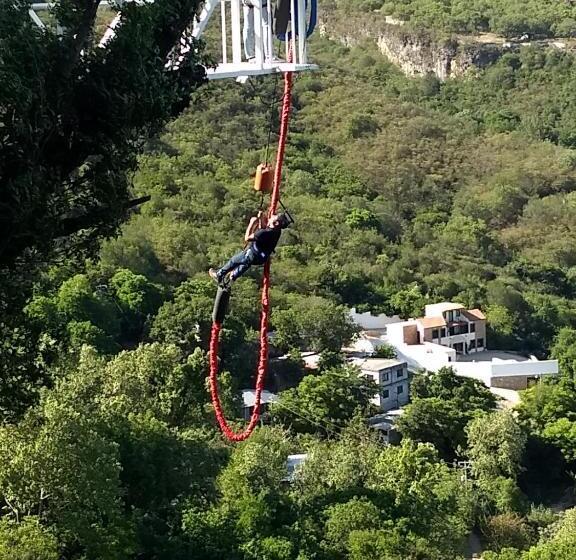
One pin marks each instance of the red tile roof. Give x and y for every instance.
(432, 322)
(474, 314)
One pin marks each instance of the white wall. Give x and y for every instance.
(368, 322)
(529, 368)
(394, 400)
(476, 370)
(395, 332)
(486, 371)
(367, 344)
(438, 309)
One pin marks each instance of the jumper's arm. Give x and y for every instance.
(254, 225)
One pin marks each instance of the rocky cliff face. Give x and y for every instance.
(415, 53)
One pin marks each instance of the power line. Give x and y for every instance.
(307, 419)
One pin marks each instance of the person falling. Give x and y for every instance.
(261, 238)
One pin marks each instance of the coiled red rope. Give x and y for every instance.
(265, 298)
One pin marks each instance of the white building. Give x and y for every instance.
(391, 376)
(369, 322)
(449, 335)
(385, 423)
(293, 464)
(249, 401)
(445, 324)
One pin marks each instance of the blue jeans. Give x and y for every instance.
(239, 264)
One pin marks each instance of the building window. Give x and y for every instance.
(400, 373)
(435, 333)
(385, 377)
(472, 327)
(385, 394)
(452, 331)
(443, 333)
(480, 343)
(400, 389)
(464, 329)
(472, 345)
(449, 358)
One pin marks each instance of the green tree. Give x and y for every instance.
(313, 323)
(507, 530)
(186, 320)
(446, 385)
(496, 444)
(359, 514)
(442, 405)
(562, 434)
(435, 421)
(23, 370)
(325, 403)
(64, 470)
(84, 332)
(503, 325)
(409, 302)
(148, 406)
(386, 352)
(547, 402)
(138, 299)
(27, 540)
(361, 219)
(65, 162)
(564, 350)
(560, 542)
(402, 482)
(77, 301)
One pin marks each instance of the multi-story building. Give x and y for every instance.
(451, 335)
(454, 326)
(391, 376)
(448, 324)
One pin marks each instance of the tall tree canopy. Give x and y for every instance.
(73, 117)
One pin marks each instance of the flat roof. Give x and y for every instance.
(445, 306)
(409, 323)
(249, 397)
(428, 348)
(492, 356)
(376, 364)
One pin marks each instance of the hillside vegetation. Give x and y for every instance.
(405, 191)
(538, 18)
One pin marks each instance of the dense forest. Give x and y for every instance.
(514, 18)
(405, 191)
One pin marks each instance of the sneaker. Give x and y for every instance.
(214, 275)
(223, 283)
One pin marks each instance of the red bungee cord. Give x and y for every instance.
(265, 313)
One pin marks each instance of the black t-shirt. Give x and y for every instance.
(265, 240)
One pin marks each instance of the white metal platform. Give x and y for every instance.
(245, 32)
(231, 70)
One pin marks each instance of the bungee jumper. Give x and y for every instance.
(261, 238)
(223, 295)
(291, 22)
